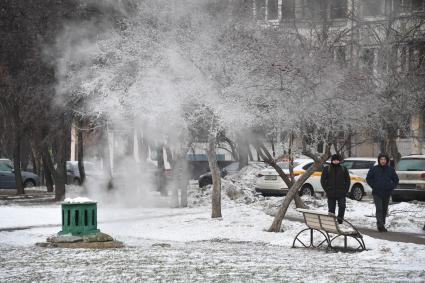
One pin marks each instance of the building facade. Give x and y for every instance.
(378, 36)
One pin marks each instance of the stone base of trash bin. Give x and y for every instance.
(94, 241)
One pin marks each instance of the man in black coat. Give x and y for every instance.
(335, 182)
(383, 179)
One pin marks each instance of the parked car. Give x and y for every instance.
(206, 179)
(269, 182)
(360, 165)
(7, 176)
(411, 172)
(73, 173)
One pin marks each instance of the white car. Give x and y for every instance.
(411, 172)
(360, 165)
(269, 183)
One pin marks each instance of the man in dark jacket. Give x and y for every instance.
(335, 182)
(383, 179)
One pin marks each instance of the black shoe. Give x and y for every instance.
(340, 221)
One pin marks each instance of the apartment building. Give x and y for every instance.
(375, 35)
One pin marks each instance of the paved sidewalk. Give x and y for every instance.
(389, 236)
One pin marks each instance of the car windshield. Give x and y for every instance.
(347, 164)
(285, 165)
(232, 166)
(411, 165)
(6, 167)
(7, 162)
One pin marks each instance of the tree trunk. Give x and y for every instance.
(183, 195)
(80, 153)
(392, 147)
(243, 152)
(251, 158)
(277, 222)
(184, 180)
(175, 195)
(106, 157)
(17, 164)
(62, 145)
(216, 177)
(416, 125)
(60, 172)
(160, 174)
(273, 149)
(143, 147)
(35, 166)
(47, 169)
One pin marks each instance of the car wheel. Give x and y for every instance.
(357, 192)
(203, 182)
(306, 190)
(29, 184)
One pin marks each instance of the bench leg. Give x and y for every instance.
(345, 242)
(311, 244)
(359, 240)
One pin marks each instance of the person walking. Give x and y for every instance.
(383, 179)
(335, 181)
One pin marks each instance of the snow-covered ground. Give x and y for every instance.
(168, 244)
(186, 245)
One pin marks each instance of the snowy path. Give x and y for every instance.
(404, 237)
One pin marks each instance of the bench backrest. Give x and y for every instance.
(320, 221)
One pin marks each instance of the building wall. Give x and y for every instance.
(366, 21)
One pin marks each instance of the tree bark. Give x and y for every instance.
(60, 173)
(80, 153)
(216, 177)
(47, 169)
(184, 181)
(62, 142)
(416, 124)
(106, 157)
(17, 164)
(160, 174)
(392, 147)
(243, 152)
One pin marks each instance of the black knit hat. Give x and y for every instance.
(336, 157)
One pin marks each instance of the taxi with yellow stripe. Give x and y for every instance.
(269, 183)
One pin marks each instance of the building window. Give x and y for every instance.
(260, 9)
(338, 9)
(288, 9)
(272, 10)
(373, 8)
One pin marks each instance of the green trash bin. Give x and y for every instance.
(79, 219)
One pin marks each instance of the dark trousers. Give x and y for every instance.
(341, 206)
(381, 204)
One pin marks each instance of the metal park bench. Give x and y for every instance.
(326, 224)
